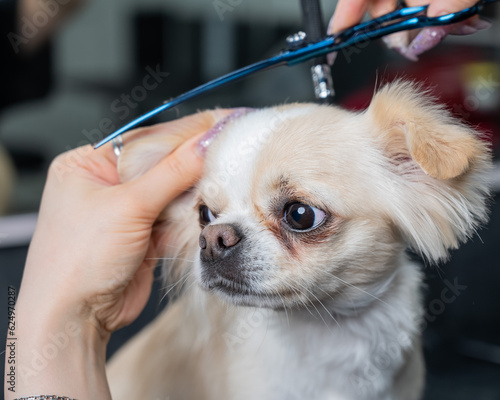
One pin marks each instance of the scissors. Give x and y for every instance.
(300, 50)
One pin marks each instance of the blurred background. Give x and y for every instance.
(72, 71)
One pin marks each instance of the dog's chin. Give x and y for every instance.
(241, 294)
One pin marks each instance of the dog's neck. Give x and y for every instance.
(329, 339)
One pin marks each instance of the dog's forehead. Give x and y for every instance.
(231, 162)
(305, 145)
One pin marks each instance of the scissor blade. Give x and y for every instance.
(223, 80)
(399, 20)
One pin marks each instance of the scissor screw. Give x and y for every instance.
(296, 40)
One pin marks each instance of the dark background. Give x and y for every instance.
(462, 338)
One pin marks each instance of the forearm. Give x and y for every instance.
(55, 355)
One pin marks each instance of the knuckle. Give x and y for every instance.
(176, 165)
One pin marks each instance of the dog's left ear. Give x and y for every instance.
(416, 126)
(435, 166)
(177, 229)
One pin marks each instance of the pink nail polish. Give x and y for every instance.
(469, 27)
(329, 30)
(330, 58)
(480, 24)
(425, 40)
(211, 134)
(398, 40)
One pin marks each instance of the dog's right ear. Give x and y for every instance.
(145, 147)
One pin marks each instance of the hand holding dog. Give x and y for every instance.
(90, 263)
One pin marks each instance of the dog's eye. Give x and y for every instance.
(206, 216)
(303, 217)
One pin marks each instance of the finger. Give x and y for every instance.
(415, 3)
(429, 37)
(380, 7)
(102, 163)
(443, 7)
(347, 13)
(193, 124)
(169, 178)
(186, 126)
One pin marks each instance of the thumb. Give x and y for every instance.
(169, 178)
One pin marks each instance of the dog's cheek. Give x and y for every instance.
(177, 231)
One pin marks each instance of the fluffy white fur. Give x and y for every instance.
(333, 313)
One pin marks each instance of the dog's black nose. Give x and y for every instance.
(216, 241)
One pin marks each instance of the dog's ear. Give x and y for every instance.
(417, 126)
(436, 167)
(144, 148)
(177, 229)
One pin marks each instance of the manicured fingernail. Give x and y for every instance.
(480, 24)
(329, 30)
(425, 40)
(205, 141)
(469, 27)
(398, 40)
(330, 58)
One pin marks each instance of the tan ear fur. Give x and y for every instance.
(144, 148)
(441, 145)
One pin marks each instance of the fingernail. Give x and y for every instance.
(205, 141)
(479, 24)
(398, 40)
(329, 30)
(330, 58)
(469, 27)
(425, 40)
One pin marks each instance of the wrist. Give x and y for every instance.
(57, 354)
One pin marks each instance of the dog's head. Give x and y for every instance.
(305, 202)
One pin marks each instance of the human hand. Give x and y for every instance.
(91, 260)
(409, 44)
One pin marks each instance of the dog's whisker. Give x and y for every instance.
(284, 306)
(320, 302)
(184, 276)
(182, 279)
(355, 287)
(298, 293)
(191, 285)
(325, 292)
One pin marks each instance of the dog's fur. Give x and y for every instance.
(331, 313)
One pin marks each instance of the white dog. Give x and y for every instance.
(296, 285)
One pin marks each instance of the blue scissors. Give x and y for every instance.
(300, 50)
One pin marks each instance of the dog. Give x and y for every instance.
(291, 251)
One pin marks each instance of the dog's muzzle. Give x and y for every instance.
(218, 242)
(220, 251)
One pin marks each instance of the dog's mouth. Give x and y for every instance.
(240, 293)
(229, 287)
